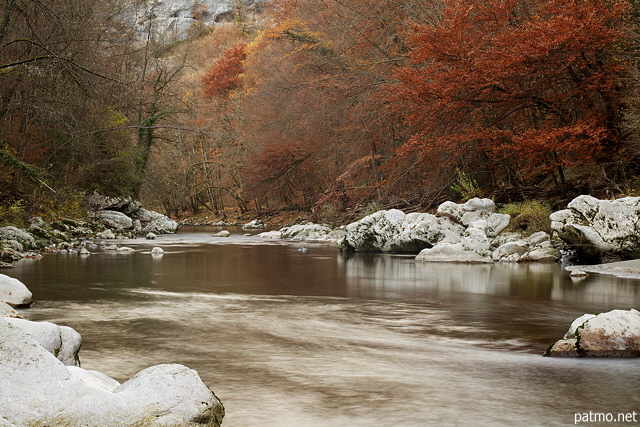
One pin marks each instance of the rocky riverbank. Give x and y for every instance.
(42, 383)
(107, 218)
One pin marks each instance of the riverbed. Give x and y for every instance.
(314, 337)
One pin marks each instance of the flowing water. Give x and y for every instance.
(319, 338)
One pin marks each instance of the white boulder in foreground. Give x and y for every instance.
(61, 341)
(599, 228)
(612, 334)
(14, 292)
(37, 389)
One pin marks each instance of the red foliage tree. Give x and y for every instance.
(519, 85)
(224, 75)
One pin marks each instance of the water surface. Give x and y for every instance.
(319, 338)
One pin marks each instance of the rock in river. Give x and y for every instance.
(612, 334)
(38, 389)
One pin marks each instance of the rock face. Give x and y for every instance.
(600, 228)
(38, 389)
(14, 292)
(612, 334)
(174, 18)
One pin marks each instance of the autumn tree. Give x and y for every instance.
(515, 91)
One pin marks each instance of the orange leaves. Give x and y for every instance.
(224, 75)
(535, 81)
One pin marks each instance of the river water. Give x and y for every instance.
(319, 338)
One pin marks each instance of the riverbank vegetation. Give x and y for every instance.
(328, 109)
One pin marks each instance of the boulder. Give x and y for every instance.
(114, 219)
(256, 224)
(309, 231)
(273, 234)
(14, 292)
(37, 389)
(474, 210)
(612, 334)
(222, 233)
(7, 311)
(14, 233)
(157, 251)
(61, 341)
(600, 228)
(474, 247)
(97, 202)
(106, 234)
(535, 248)
(156, 223)
(394, 231)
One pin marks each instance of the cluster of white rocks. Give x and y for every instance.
(469, 232)
(612, 334)
(42, 383)
(108, 218)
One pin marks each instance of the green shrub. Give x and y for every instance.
(466, 186)
(528, 217)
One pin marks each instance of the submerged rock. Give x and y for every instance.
(38, 389)
(612, 334)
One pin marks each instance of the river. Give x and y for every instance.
(319, 338)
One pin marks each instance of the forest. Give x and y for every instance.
(332, 108)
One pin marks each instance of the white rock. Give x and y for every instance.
(222, 233)
(542, 255)
(7, 311)
(307, 231)
(506, 251)
(157, 251)
(538, 238)
(61, 341)
(596, 227)
(273, 234)
(612, 334)
(106, 234)
(37, 389)
(579, 321)
(125, 249)
(256, 224)
(13, 291)
(451, 252)
(474, 210)
(114, 219)
(21, 236)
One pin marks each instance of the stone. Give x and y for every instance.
(273, 234)
(256, 224)
(106, 234)
(474, 247)
(151, 236)
(222, 233)
(157, 251)
(97, 202)
(7, 311)
(612, 334)
(114, 219)
(61, 341)
(38, 389)
(597, 229)
(542, 255)
(84, 251)
(14, 292)
(14, 233)
(309, 231)
(394, 231)
(125, 249)
(157, 223)
(477, 209)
